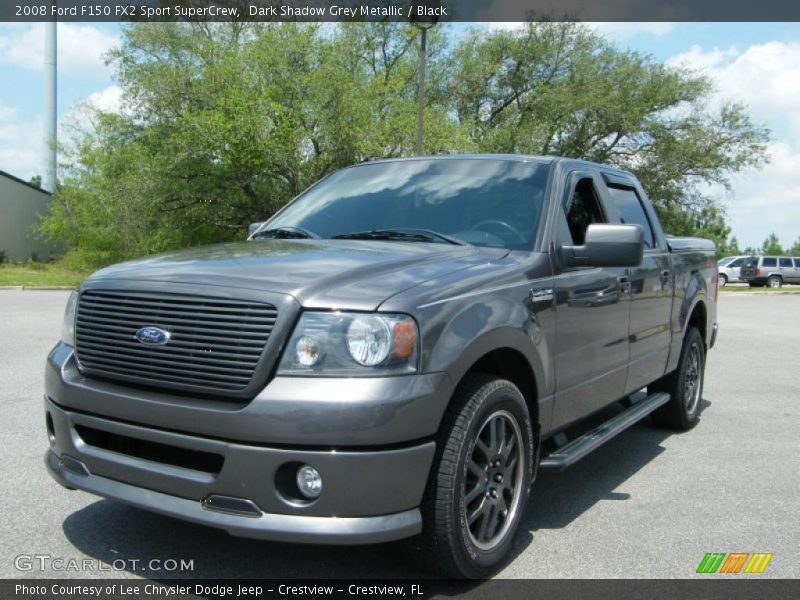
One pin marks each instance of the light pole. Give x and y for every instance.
(50, 107)
(422, 23)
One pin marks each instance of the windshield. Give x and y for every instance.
(483, 202)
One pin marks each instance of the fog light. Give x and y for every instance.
(307, 351)
(309, 481)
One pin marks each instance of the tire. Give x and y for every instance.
(466, 478)
(684, 385)
(723, 280)
(774, 281)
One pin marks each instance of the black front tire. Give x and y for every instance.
(455, 542)
(723, 280)
(684, 385)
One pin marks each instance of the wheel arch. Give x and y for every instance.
(510, 354)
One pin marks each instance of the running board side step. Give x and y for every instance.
(575, 450)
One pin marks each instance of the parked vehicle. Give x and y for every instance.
(395, 354)
(772, 271)
(730, 269)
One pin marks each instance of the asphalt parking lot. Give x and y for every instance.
(648, 504)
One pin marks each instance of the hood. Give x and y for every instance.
(318, 273)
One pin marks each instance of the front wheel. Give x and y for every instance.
(723, 280)
(684, 385)
(480, 481)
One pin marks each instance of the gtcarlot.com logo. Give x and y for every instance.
(734, 562)
(48, 562)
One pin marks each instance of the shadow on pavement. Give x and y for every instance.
(109, 531)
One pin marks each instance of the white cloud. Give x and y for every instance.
(765, 77)
(624, 30)
(81, 47)
(614, 31)
(108, 99)
(21, 145)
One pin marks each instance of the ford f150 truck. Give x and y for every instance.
(394, 354)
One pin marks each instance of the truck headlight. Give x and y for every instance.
(351, 344)
(68, 328)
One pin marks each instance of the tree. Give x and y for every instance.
(733, 247)
(559, 88)
(223, 123)
(795, 249)
(772, 245)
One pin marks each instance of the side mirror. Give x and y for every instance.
(607, 246)
(254, 227)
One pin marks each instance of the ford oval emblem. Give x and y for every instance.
(152, 336)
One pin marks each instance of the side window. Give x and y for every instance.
(769, 261)
(797, 263)
(785, 262)
(737, 263)
(632, 212)
(581, 210)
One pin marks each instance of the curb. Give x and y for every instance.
(33, 288)
(781, 293)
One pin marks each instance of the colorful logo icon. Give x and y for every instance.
(734, 562)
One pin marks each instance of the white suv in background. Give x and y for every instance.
(730, 269)
(772, 271)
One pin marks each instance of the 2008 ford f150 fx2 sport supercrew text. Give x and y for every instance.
(395, 354)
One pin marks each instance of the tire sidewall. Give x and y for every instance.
(693, 338)
(723, 280)
(478, 562)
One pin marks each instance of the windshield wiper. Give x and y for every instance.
(405, 234)
(286, 233)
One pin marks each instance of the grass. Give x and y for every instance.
(33, 274)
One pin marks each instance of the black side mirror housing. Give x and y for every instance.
(607, 245)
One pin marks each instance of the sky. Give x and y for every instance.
(757, 64)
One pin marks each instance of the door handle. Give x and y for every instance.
(665, 277)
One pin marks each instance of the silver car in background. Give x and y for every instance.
(730, 269)
(772, 271)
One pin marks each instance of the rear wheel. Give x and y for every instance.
(479, 484)
(684, 385)
(723, 279)
(774, 281)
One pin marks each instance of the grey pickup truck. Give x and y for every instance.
(394, 354)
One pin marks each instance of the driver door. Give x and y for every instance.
(592, 311)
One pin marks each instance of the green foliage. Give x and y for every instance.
(795, 249)
(224, 123)
(732, 247)
(772, 245)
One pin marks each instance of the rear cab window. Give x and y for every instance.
(631, 211)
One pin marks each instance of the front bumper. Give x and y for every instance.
(277, 527)
(370, 439)
(368, 496)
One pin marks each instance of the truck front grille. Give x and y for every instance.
(215, 344)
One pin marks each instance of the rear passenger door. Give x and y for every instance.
(786, 269)
(796, 278)
(651, 286)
